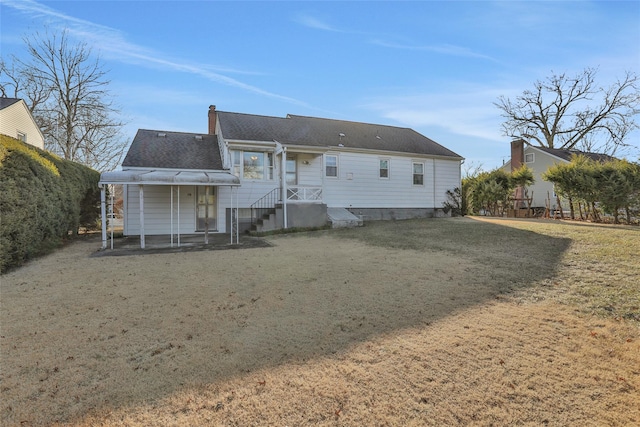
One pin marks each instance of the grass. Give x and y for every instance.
(427, 322)
(598, 265)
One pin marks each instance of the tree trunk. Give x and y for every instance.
(559, 207)
(571, 209)
(580, 210)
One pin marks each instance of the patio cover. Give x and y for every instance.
(168, 177)
(143, 177)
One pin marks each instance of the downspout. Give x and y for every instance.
(283, 180)
(283, 174)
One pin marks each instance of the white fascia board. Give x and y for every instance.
(235, 144)
(546, 153)
(392, 153)
(305, 149)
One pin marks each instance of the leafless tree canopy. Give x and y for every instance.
(574, 112)
(66, 90)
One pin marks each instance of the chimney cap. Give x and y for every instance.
(212, 107)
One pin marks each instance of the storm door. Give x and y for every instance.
(292, 170)
(206, 208)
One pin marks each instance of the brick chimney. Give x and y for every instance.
(517, 154)
(212, 119)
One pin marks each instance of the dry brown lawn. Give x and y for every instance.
(429, 322)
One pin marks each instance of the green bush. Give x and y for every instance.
(44, 200)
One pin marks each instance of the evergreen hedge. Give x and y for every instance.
(44, 200)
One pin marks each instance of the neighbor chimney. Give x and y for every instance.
(517, 154)
(212, 119)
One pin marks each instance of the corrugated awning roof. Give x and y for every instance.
(165, 177)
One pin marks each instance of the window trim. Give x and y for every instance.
(413, 173)
(387, 169)
(268, 164)
(337, 166)
(533, 157)
(21, 136)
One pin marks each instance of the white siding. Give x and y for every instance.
(447, 178)
(359, 185)
(16, 118)
(310, 174)
(157, 209)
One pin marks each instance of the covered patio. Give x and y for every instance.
(177, 179)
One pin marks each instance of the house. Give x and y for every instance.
(17, 122)
(266, 173)
(539, 159)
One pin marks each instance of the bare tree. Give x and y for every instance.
(66, 89)
(573, 112)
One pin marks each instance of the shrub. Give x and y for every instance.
(44, 200)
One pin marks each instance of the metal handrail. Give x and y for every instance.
(264, 205)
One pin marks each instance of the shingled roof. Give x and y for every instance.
(173, 150)
(317, 132)
(567, 154)
(5, 102)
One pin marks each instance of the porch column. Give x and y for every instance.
(112, 215)
(172, 216)
(103, 215)
(141, 188)
(206, 215)
(178, 216)
(231, 218)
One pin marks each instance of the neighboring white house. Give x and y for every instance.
(539, 159)
(17, 122)
(299, 171)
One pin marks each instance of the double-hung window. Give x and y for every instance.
(384, 168)
(418, 173)
(331, 166)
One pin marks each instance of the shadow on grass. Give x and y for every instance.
(269, 306)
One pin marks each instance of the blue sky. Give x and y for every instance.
(434, 66)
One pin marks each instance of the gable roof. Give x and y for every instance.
(325, 133)
(173, 150)
(567, 154)
(6, 102)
